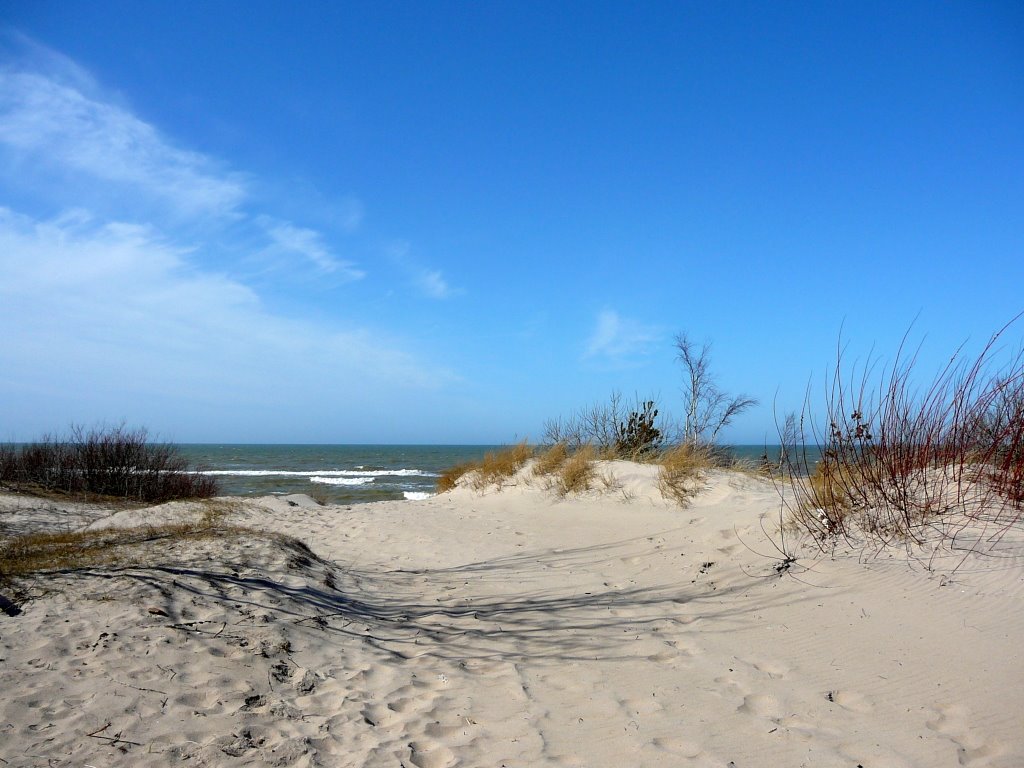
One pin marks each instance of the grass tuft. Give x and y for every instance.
(682, 470)
(499, 466)
(551, 460)
(494, 469)
(576, 472)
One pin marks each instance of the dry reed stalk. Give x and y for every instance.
(896, 457)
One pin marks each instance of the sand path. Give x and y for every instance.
(513, 628)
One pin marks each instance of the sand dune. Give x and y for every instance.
(514, 628)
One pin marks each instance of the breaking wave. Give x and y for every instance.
(341, 480)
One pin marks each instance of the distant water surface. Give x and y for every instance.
(347, 474)
(342, 474)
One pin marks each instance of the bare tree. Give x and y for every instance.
(707, 408)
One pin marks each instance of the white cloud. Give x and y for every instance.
(287, 240)
(619, 339)
(62, 129)
(113, 313)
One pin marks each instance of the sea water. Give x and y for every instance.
(346, 474)
(338, 474)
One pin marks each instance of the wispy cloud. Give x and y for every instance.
(433, 284)
(66, 139)
(429, 282)
(287, 240)
(619, 340)
(64, 130)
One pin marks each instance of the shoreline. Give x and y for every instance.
(513, 627)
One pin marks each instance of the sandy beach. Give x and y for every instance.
(513, 627)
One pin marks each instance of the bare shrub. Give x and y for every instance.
(595, 425)
(115, 462)
(1001, 427)
(896, 457)
(614, 429)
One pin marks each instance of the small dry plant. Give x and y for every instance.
(611, 483)
(450, 477)
(682, 470)
(576, 472)
(830, 486)
(320, 495)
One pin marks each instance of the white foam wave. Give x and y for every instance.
(416, 495)
(341, 480)
(319, 473)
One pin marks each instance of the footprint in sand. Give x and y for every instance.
(402, 705)
(685, 648)
(952, 722)
(427, 755)
(439, 731)
(760, 705)
(731, 683)
(852, 701)
(633, 707)
(677, 746)
(663, 657)
(379, 715)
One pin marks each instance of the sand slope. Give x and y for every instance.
(515, 628)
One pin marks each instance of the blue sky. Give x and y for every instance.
(448, 222)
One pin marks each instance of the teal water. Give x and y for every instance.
(341, 474)
(347, 474)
